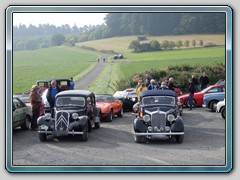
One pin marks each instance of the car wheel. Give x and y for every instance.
(84, 136)
(97, 125)
(213, 106)
(140, 139)
(120, 114)
(42, 137)
(27, 123)
(187, 103)
(110, 117)
(180, 113)
(179, 138)
(223, 113)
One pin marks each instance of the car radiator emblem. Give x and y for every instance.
(62, 121)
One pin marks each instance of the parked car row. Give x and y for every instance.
(76, 112)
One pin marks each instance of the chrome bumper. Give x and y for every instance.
(158, 133)
(51, 132)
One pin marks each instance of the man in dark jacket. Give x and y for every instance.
(204, 81)
(171, 85)
(195, 82)
(52, 92)
(191, 90)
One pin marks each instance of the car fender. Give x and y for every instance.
(83, 120)
(42, 121)
(139, 125)
(178, 126)
(106, 109)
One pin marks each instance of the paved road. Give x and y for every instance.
(113, 144)
(90, 77)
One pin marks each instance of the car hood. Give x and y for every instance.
(102, 104)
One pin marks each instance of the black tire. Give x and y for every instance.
(42, 137)
(223, 113)
(27, 123)
(84, 136)
(187, 104)
(120, 113)
(140, 139)
(179, 138)
(213, 106)
(97, 125)
(110, 117)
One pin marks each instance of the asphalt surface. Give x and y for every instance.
(113, 144)
(83, 83)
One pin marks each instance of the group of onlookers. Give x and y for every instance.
(168, 83)
(36, 99)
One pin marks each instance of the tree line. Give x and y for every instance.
(154, 45)
(118, 24)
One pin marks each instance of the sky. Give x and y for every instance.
(58, 19)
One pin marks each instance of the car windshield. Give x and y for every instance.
(158, 100)
(132, 94)
(103, 98)
(25, 99)
(70, 101)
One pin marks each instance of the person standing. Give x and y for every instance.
(153, 85)
(148, 79)
(204, 81)
(71, 84)
(36, 101)
(140, 89)
(52, 92)
(191, 90)
(195, 82)
(171, 85)
(164, 84)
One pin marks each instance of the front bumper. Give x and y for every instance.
(158, 133)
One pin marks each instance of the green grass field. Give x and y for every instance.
(66, 62)
(140, 62)
(55, 62)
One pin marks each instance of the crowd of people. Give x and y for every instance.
(168, 83)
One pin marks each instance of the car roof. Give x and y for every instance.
(158, 93)
(74, 93)
(57, 79)
(103, 95)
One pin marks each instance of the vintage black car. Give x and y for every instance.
(75, 113)
(158, 117)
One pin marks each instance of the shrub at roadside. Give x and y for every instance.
(180, 73)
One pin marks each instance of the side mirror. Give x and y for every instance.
(13, 108)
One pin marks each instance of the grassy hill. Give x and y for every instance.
(120, 44)
(55, 62)
(66, 62)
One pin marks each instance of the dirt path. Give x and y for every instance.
(90, 77)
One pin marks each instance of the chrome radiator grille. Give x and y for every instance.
(62, 121)
(158, 120)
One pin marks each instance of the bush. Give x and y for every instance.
(210, 44)
(180, 73)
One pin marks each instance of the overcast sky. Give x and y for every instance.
(58, 19)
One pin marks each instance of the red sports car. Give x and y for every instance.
(198, 96)
(109, 106)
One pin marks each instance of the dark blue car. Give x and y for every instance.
(158, 117)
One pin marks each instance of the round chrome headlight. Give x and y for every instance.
(48, 116)
(146, 118)
(170, 117)
(75, 116)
